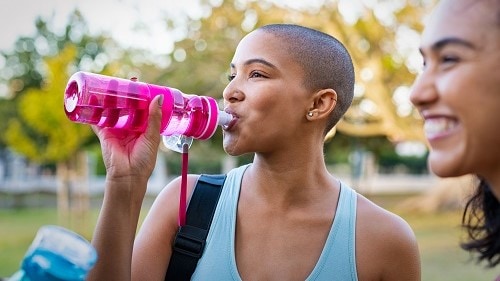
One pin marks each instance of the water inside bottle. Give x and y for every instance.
(107, 109)
(123, 104)
(52, 266)
(59, 254)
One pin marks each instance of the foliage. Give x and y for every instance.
(381, 66)
(26, 72)
(47, 135)
(390, 162)
(38, 69)
(24, 67)
(200, 60)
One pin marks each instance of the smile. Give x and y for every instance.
(436, 127)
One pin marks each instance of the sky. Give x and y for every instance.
(118, 17)
(133, 23)
(121, 18)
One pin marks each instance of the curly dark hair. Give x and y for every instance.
(481, 219)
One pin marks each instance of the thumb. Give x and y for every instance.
(155, 113)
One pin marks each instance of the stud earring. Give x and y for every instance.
(310, 114)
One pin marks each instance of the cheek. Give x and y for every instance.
(267, 108)
(473, 96)
(458, 90)
(278, 105)
(475, 100)
(482, 128)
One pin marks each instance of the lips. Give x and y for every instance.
(436, 127)
(231, 123)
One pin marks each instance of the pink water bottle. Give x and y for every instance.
(113, 102)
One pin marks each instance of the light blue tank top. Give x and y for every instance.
(337, 260)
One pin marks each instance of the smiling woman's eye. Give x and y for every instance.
(230, 77)
(449, 59)
(256, 74)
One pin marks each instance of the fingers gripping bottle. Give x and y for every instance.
(112, 102)
(56, 254)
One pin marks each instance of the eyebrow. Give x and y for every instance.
(259, 61)
(440, 44)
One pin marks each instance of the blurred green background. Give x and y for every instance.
(50, 168)
(438, 235)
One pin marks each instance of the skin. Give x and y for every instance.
(458, 90)
(288, 197)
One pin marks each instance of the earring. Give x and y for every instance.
(310, 114)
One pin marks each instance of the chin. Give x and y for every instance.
(233, 147)
(445, 168)
(230, 149)
(230, 153)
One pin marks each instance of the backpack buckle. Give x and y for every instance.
(189, 241)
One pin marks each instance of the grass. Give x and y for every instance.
(438, 235)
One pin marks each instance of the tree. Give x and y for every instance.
(24, 67)
(382, 69)
(200, 60)
(43, 133)
(36, 125)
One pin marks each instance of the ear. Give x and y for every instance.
(323, 103)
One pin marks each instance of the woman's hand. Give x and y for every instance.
(131, 155)
(129, 159)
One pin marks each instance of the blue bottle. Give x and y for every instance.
(56, 254)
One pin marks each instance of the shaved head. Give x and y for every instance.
(325, 61)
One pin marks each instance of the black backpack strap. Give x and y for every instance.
(190, 239)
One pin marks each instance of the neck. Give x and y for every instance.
(492, 178)
(290, 183)
(494, 184)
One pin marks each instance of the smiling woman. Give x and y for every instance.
(457, 94)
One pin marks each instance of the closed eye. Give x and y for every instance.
(449, 59)
(256, 74)
(443, 60)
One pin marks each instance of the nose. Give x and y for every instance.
(232, 93)
(424, 90)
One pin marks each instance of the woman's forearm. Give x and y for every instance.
(115, 230)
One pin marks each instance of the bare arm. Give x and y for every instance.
(129, 159)
(386, 247)
(153, 244)
(402, 257)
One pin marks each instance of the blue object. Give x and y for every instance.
(56, 254)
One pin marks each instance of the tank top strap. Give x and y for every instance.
(338, 259)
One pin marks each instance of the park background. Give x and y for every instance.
(50, 168)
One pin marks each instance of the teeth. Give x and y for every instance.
(437, 126)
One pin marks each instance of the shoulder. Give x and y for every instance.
(166, 204)
(380, 221)
(385, 243)
(153, 244)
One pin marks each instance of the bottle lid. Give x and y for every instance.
(176, 142)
